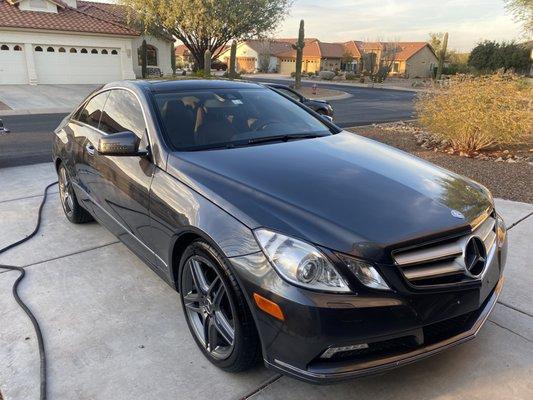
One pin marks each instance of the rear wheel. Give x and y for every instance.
(215, 309)
(73, 211)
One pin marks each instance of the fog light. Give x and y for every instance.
(334, 350)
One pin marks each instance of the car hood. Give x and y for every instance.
(343, 192)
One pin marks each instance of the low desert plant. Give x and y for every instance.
(350, 76)
(326, 75)
(473, 113)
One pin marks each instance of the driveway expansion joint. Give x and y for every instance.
(519, 221)
(511, 331)
(263, 386)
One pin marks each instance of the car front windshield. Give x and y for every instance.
(214, 118)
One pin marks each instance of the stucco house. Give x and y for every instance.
(409, 59)
(257, 55)
(70, 41)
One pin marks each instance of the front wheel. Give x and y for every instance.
(216, 310)
(73, 211)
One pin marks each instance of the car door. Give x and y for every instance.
(121, 184)
(82, 131)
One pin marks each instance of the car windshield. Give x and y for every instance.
(214, 118)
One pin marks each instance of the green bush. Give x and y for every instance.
(350, 76)
(476, 112)
(326, 75)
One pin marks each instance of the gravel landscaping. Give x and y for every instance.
(506, 171)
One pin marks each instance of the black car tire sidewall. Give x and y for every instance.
(246, 347)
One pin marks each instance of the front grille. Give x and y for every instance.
(444, 262)
(450, 327)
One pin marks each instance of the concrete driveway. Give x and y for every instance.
(114, 330)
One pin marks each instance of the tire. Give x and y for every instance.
(72, 209)
(207, 311)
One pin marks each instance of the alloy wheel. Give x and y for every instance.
(65, 192)
(209, 307)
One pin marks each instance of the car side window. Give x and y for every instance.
(289, 93)
(122, 113)
(92, 112)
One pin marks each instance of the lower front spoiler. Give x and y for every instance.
(358, 369)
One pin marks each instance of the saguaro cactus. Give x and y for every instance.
(207, 63)
(233, 60)
(299, 47)
(442, 56)
(144, 71)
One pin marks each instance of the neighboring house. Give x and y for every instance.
(256, 55)
(184, 58)
(69, 41)
(408, 59)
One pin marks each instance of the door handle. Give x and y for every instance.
(90, 149)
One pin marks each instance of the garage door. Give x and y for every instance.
(56, 64)
(287, 66)
(246, 64)
(12, 64)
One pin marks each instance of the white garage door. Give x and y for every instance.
(57, 64)
(12, 64)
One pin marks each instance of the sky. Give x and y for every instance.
(466, 21)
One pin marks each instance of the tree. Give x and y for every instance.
(522, 11)
(490, 56)
(299, 47)
(388, 55)
(210, 24)
(484, 56)
(263, 59)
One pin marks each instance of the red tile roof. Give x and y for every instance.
(409, 49)
(66, 19)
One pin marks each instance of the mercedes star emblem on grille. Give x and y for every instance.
(475, 256)
(457, 214)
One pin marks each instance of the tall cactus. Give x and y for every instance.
(144, 56)
(442, 56)
(207, 63)
(233, 60)
(299, 47)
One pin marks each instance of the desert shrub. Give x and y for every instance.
(236, 76)
(293, 74)
(350, 76)
(326, 75)
(473, 113)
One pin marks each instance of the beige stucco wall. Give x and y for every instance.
(163, 54)
(420, 64)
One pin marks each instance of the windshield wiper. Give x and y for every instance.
(283, 138)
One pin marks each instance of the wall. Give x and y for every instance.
(163, 54)
(420, 64)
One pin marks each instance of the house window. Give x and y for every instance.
(94, 51)
(114, 52)
(73, 50)
(38, 48)
(4, 47)
(17, 48)
(104, 51)
(151, 55)
(396, 67)
(62, 50)
(50, 49)
(84, 51)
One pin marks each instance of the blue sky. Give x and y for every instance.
(467, 21)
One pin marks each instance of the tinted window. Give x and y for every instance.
(92, 111)
(289, 93)
(122, 113)
(224, 117)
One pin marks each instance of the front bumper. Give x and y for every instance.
(324, 373)
(401, 327)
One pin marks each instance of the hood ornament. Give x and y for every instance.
(457, 214)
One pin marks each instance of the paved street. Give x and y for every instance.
(114, 330)
(30, 138)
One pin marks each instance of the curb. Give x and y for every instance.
(34, 111)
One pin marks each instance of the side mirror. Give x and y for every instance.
(120, 144)
(3, 129)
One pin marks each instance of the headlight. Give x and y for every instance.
(366, 273)
(299, 262)
(501, 230)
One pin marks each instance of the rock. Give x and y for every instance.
(499, 159)
(511, 160)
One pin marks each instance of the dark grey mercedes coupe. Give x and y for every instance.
(325, 254)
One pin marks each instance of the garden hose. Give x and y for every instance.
(24, 307)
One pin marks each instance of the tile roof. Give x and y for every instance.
(66, 19)
(409, 49)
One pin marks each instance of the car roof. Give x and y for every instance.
(159, 86)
